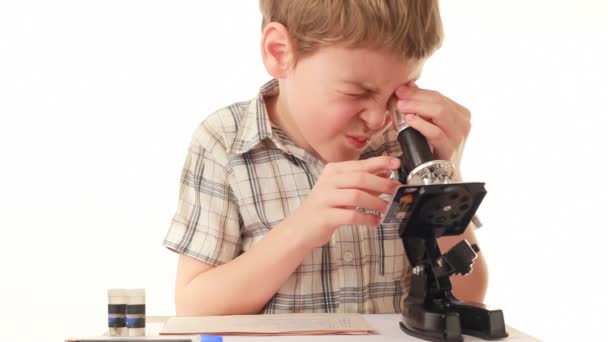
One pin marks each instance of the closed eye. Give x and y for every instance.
(358, 95)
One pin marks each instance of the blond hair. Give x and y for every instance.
(409, 28)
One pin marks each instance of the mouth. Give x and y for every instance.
(359, 142)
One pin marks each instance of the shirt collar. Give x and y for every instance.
(256, 125)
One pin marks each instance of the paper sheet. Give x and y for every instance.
(273, 324)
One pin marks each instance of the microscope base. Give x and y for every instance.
(470, 319)
(431, 326)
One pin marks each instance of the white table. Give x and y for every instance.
(387, 327)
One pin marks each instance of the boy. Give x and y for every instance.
(267, 218)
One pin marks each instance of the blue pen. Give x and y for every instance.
(211, 338)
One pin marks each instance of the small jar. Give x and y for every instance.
(136, 312)
(117, 312)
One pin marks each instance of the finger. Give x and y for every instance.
(347, 216)
(435, 136)
(451, 125)
(384, 173)
(461, 115)
(419, 94)
(441, 108)
(409, 96)
(450, 116)
(366, 182)
(428, 110)
(371, 165)
(461, 109)
(353, 199)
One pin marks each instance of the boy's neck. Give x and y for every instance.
(279, 116)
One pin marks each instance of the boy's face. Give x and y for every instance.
(336, 99)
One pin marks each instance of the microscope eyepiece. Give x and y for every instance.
(418, 165)
(416, 150)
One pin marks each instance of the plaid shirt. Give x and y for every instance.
(242, 176)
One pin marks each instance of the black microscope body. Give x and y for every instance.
(436, 207)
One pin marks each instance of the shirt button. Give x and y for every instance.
(347, 256)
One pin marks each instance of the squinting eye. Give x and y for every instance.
(356, 94)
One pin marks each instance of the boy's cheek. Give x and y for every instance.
(328, 119)
(336, 120)
(345, 107)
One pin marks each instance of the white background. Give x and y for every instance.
(98, 100)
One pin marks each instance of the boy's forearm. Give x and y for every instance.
(245, 284)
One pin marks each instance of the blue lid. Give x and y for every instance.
(211, 338)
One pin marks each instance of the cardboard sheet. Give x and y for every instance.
(276, 324)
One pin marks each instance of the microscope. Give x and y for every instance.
(430, 206)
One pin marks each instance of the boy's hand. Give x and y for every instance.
(444, 123)
(341, 188)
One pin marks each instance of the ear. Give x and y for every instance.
(277, 50)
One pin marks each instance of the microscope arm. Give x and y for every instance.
(472, 287)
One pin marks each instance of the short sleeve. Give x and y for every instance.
(206, 225)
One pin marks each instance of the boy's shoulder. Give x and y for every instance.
(238, 127)
(229, 127)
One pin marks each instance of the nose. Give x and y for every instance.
(375, 119)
